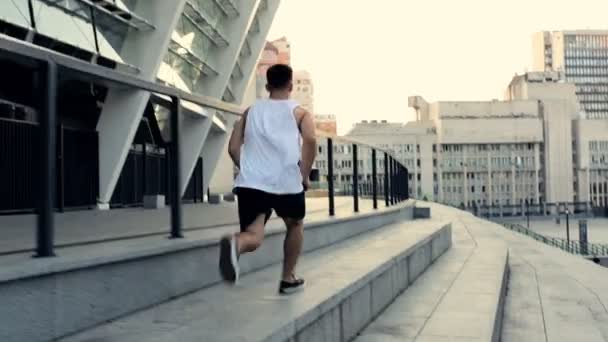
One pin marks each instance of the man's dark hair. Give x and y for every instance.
(279, 76)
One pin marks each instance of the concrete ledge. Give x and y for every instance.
(216, 198)
(349, 284)
(422, 213)
(71, 293)
(154, 201)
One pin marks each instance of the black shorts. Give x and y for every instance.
(254, 202)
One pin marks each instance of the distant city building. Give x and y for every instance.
(303, 90)
(583, 58)
(284, 47)
(533, 147)
(270, 57)
(275, 52)
(326, 124)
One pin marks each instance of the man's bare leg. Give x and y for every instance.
(292, 247)
(251, 239)
(231, 247)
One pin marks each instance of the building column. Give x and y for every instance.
(195, 131)
(248, 65)
(124, 108)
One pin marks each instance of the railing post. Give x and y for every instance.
(386, 176)
(399, 181)
(401, 196)
(61, 170)
(144, 168)
(391, 166)
(355, 179)
(48, 154)
(374, 180)
(330, 176)
(175, 184)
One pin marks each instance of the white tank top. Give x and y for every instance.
(271, 151)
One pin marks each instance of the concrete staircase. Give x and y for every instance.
(346, 258)
(348, 284)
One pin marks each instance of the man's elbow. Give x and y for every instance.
(232, 151)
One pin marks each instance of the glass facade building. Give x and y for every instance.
(205, 47)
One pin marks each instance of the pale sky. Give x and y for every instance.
(367, 57)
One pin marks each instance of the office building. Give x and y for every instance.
(583, 58)
(326, 124)
(534, 147)
(303, 90)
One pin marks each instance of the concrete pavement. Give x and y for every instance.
(552, 295)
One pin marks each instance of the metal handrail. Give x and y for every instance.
(348, 140)
(49, 63)
(395, 173)
(77, 68)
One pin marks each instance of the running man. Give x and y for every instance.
(274, 146)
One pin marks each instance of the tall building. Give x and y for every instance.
(533, 148)
(326, 124)
(270, 57)
(583, 57)
(303, 90)
(207, 47)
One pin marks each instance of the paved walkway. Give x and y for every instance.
(17, 233)
(552, 295)
(457, 298)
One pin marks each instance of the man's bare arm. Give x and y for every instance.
(309, 141)
(237, 139)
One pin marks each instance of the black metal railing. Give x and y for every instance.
(358, 172)
(75, 158)
(572, 246)
(42, 160)
(530, 209)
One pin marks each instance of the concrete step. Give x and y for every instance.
(46, 299)
(460, 298)
(348, 284)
